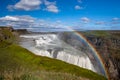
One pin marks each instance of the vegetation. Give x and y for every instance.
(7, 37)
(97, 33)
(17, 63)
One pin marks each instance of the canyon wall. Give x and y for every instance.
(109, 49)
(107, 44)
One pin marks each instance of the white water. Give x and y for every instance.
(49, 45)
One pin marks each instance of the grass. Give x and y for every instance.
(38, 75)
(97, 33)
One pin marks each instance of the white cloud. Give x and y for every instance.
(26, 5)
(77, 7)
(100, 23)
(51, 6)
(24, 18)
(48, 24)
(115, 19)
(9, 18)
(49, 3)
(80, 1)
(28, 22)
(10, 7)
(29, 5)
(85, 19)
(17, 21)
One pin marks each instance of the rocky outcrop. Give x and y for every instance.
(5, 33)
(22, 31)
(7, 36)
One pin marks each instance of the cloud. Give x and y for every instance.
(115, 22)
(28, 22)
(100, 23)
(26, 5)
(9, 18)
(77, 7)
(25, 18)
(51, 6)
(115, 19)
(29, 5)
(10, 7)
(49, 3)
(17, 21)
(79, 1)
(85, 19)
(47, 24)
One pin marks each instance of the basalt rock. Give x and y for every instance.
(107, 43)
(109, 49)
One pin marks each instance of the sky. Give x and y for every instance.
(49, 15)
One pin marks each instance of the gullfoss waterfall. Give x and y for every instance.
(51, 46)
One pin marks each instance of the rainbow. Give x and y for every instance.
(94, 50)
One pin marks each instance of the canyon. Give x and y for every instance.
(70, 46)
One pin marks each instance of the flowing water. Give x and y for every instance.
(51, 46)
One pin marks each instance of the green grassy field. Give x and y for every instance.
(97, 33)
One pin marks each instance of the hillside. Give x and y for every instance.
(17, 63)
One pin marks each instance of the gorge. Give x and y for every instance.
(52, 45)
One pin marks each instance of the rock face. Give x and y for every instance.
(109, 48)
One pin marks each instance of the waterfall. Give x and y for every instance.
(82, 61)
(51, 46)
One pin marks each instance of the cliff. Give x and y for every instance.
(22, 31)
(107, 43)
(108, 46)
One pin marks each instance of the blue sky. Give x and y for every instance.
(60, 14)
